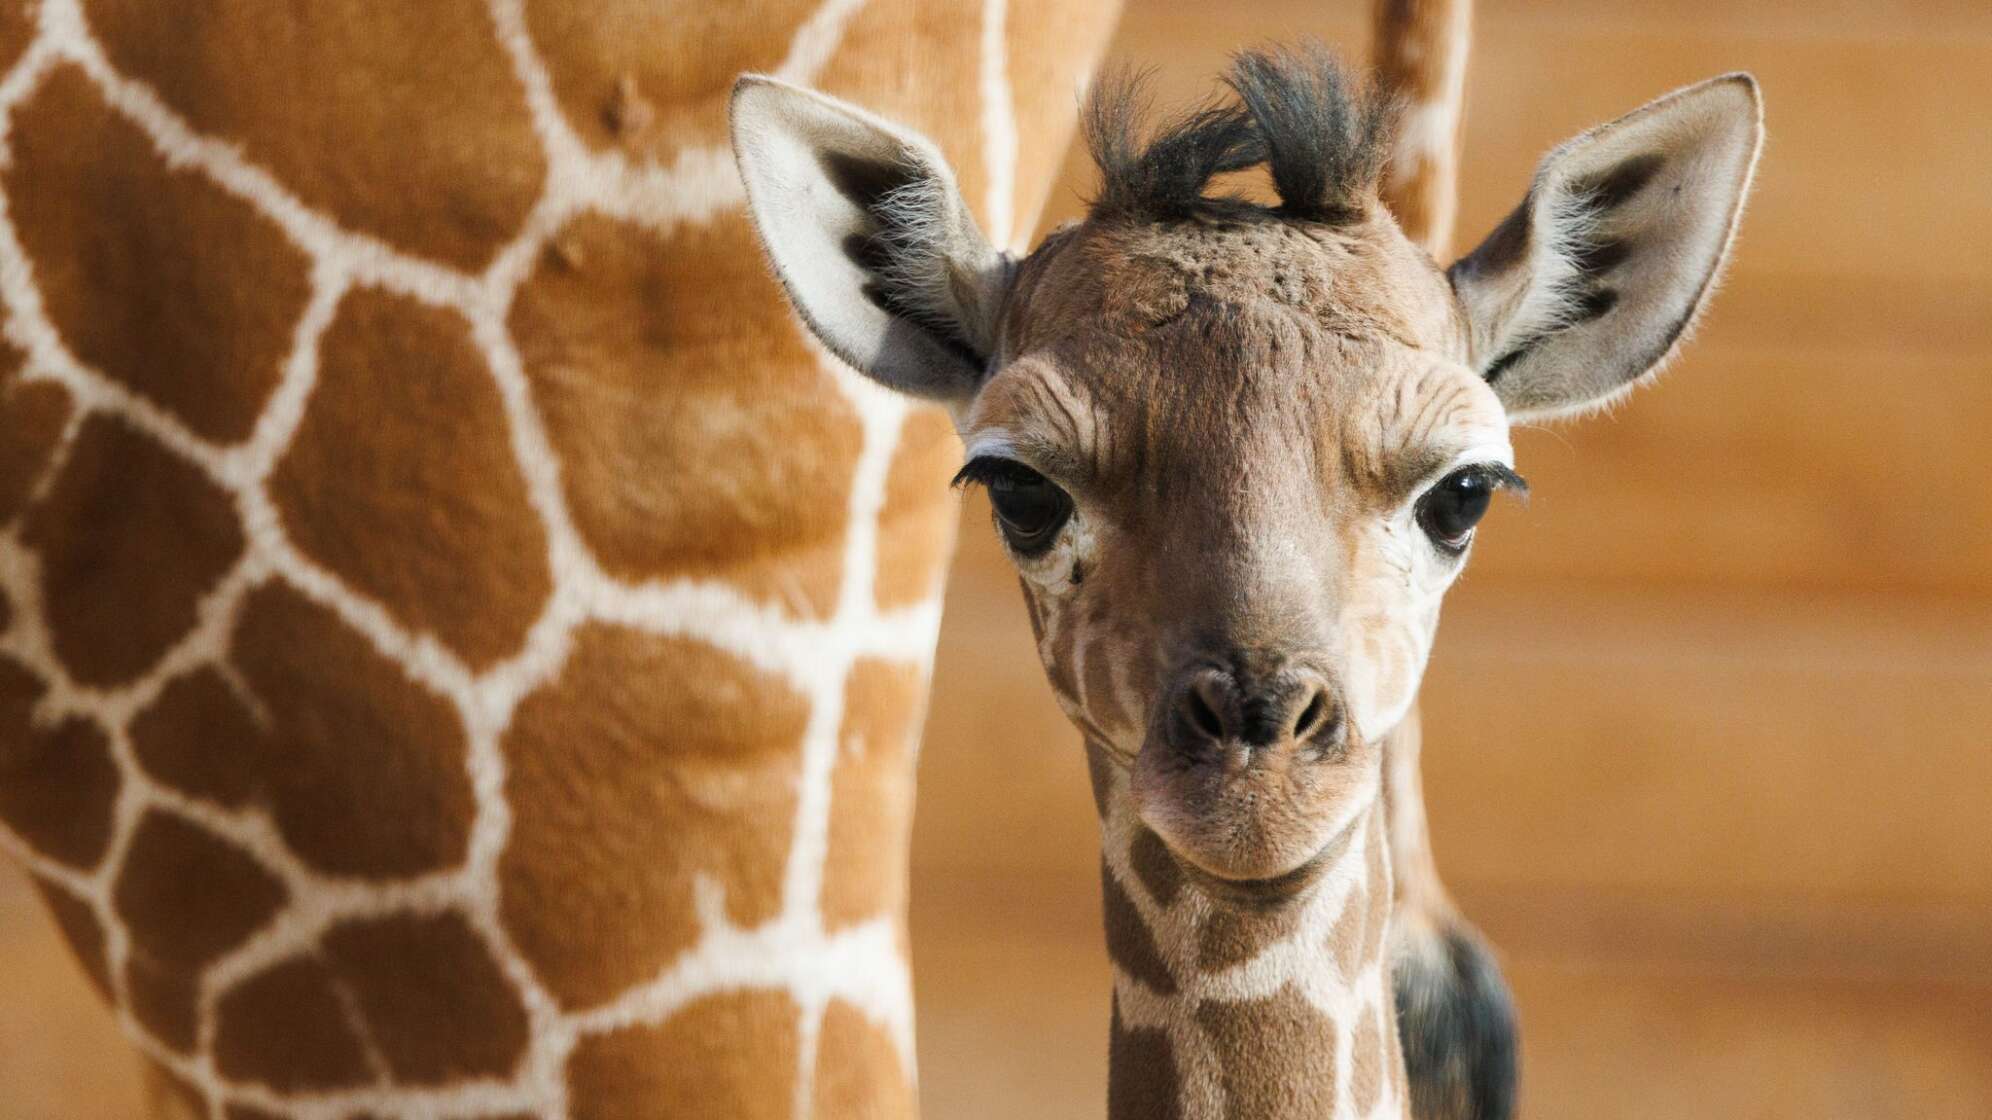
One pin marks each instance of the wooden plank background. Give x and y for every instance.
(1710, 721)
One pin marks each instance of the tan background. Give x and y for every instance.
(1710, 723)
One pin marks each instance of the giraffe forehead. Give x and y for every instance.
(1267, 348)
(1278, 413)
(1131, 280)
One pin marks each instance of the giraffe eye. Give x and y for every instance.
(1030, 508)
(1449, 510)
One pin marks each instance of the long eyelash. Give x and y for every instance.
(1508, 479)
(985, 469)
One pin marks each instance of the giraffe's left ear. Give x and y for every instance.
(1590, 284)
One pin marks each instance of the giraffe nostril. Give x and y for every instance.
(1201, 715)
(1311, 716)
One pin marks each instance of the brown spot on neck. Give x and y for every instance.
(1275, 1056)
(130, 537)
(1130, 943)
(1155, 867)
(1145, 1082)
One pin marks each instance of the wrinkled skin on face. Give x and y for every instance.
(1245, 416)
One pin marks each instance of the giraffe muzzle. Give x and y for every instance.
(1246, 769)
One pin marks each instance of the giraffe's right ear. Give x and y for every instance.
(870, 237)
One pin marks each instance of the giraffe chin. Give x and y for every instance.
(1254, 829)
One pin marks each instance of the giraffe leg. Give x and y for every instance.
(1456, 1019)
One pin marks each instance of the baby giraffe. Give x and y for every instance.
(1238, 453)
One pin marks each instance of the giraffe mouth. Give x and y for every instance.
(1252, 834)
(1261, 893)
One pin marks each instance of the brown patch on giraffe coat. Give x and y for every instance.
(1240, 929)
(1276, 1056)
(651, 359)
(364, 768)
(154, 276)
(732, 1055)
(32, 417)
(57, 784)
(188, 897)
(198, 738)
(858, 1074)
(1144, 1083)
(1099, 770)
(287, 1028)
(344, 107)
(1235, 934)
(1129, 943)
(1155, 866)
(164, 1001)
(1366, 1061)
(406, 487)
(648, 763)
(653, 79)
(436, 1005)
(79, 926)
(131, 537)
(17, 30)
(871, 793)
(916, 524)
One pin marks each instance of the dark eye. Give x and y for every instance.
(1449, 511)
(1030, 509)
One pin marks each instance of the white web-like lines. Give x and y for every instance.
(793, 952)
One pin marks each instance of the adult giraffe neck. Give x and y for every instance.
(1265, 1000)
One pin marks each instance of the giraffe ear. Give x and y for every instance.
(871, 238)
(1590, 284)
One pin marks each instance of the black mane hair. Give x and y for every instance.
(1321, 135)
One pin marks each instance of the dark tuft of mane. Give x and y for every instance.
(1321, 135)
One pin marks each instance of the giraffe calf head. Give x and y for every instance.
(1238, 451)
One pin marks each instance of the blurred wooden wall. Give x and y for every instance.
(1710, 722)
(1709, 728)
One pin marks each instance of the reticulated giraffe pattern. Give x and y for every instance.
(461, 649)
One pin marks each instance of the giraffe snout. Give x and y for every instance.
(1222, 708)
